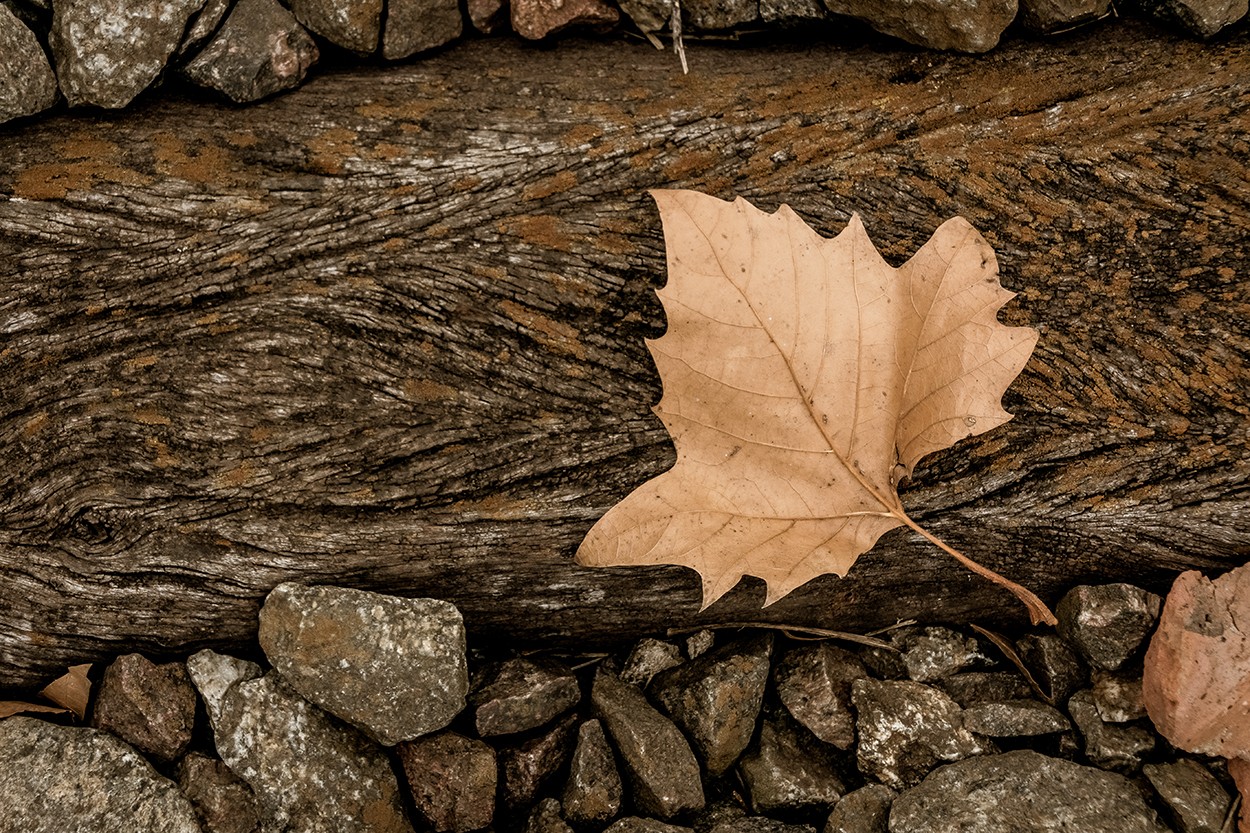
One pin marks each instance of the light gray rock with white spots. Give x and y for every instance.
(864, 811)
(1014, 718)
(774, 10)
(934, 652)
(522, 694)
(351, 24)
(392, 667)
(961, 25)
(260, 50)
(648, 658)
(27, 83)
(1196, 801)
(1203, 18)
(1056, 15)
(785, 771)
(1109, 745)
(814, 684)
(205, 22)
(1107, 623)
(414, 26)
(720, 14)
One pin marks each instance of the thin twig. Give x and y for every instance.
(817, 632)
(1231, 818)
(1009, 651)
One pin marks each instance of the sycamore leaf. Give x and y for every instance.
(803, 378)
(70, 692)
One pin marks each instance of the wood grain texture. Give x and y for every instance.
(387, 331)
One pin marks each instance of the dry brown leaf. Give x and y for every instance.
(803, 379)
(9, 708)
(71, 690)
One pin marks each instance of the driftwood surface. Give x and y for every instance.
(387, 331)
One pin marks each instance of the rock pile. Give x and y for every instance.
(104, 53)
(369, 719)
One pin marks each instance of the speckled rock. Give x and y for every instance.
(1195, 800)
(108, 51)
(782, 772)
(864, 811)
(58, 778)
(592, 795)
(720, 14)
(487, 16)
(529, 765)
(932, 653)
(27, 83)
(1014, 718)
(1203, 18)
(758, 824)
(535, 19)
(716, 699)
(965, 26)
(452, 781)
(1107, 623)
(648, 658)
(905, 728)
(1022, 792)
(1057, 15)
(1055, 666)
(351, 24)
(392, 667)
(309, 772)
(151, 707)
(660, 766)
(260, 50)
(637, 824)
(814, 684)
(1118, 697)
(522, 694)
(699, 643)
(414, 26)
(975, 687)
(223, 802)
(203, 25)
(1107, 745)
(774, 10)
(546, 817)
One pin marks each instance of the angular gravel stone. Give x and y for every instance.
(1118, 697)
(528, 766)
(203, 25)
(759, 824)
(487, 15)
(636, 824)
(662, 770)
(58, 778)
(863, 811)
(968, 26)
(814, 684)
(523, 694)
(933, 653)
(546, 818)
(905, 728)
(452, 781)
(975, 687)
(1055, 15)
(260, 50)
(352, 24)
(648, 658)
(1109, 746)
(27, 83)
(774, 10)
(1055, 666)
(716, 699)
(1195, 800)
(309, 772)
(414, 26)
(1014, 718)
(783, 773)
(108, 51)
(649, 16)
(223, 802)
(535, 19)
(720, 14)
(884, 663)
(151, 707)
(392, 667)
(1203, 18)
(1022, 792)
(699, 643)
(592, 795)
(1107, 623)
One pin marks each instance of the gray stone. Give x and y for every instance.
(863, 811)
(884, 663)
(1118, 697)
(528, 766)
(1054, 665)
(351, 24)
(203, 25)
(637, 824)
(648, 658)
(720, 14)
(905, 728)
(58, 778)
(1194, 799)
(1109, 746)
(1057, 15)
(546, 818)
(1107, 623)
(1203, 18)
(392, 667)
(108, 51)
(932, 653)
(814, 684)
(452, 781)
(975, 687)
(1022, 792)
(1014, 718)
(964, 26)
(309, 772)
(699, 643)
(592, 795)
(223, 802)
(782, 773)
(260, 50)
(522, 694)
(535, 19)
(151, 707)
(759, 824)
(774, 10)
(414, 26)
(27, 84)
(716, 699)
(487, 15)
(661, 768)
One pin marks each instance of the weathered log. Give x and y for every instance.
(387, 331)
